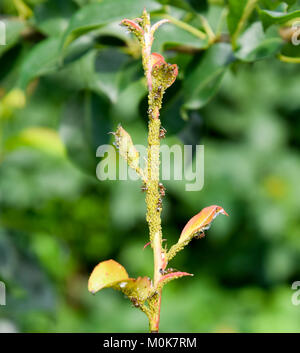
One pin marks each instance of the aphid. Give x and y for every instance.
(144, 187)
(156, 96)
(162, 133)
(159, 205)
(134, 302)
(162, 190)
(199, 235)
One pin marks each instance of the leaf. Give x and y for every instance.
(126, 147)
(270, 18)
(106, 274)
(44, 139)
(171, 276)
(188, 5)
(239, 12)
(170, 36)
(109, 64)
(127, 105)
(95, 15)
(42, 59)
(254, 44)
(13, 29)
(52, 17)
(200, 222)
(204, 79)
(46, 57)
(84, 127)
(136, 288)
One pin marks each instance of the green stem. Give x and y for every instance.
(210, 33)
(288, 59)
(196, 32)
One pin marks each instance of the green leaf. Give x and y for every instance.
(52, 17)
(188, 5)
(170, 36)
(46, 57)
(270, 18)
(108, 66)
(254, 44)
(42, 59)
(94, 16)
(239, 12)
(84, 127)
(204, 79)
(14, 28)
(43, 139)
(127, 105)
(273, 4)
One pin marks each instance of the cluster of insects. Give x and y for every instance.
(168, 270)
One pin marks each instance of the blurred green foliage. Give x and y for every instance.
(69, 74)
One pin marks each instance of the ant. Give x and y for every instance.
(162, 133)
(159, 205)
(144, 187)
(168, 270)
(162, 190)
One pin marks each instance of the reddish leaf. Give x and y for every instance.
(156, 58)
(200, 222)
(106, 274)
(173, 275)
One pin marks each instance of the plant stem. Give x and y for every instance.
(153, 212)
(196, 32)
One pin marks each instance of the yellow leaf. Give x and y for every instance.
(106, 274)
(41, 138)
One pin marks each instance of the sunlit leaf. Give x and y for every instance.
(93, 16)
(200, 222)
(44, 139)
(106, 274)
(255, 44)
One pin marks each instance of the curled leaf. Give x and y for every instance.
(163, 74)
(106, 274)
(126, 147)
(173, 275)
(156, 58)
(134, 28)
(200, 222)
